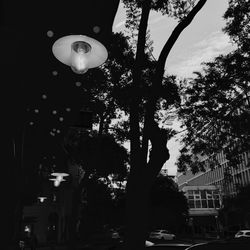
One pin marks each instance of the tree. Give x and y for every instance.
(215, 109)
(97, 210)
(165, 214)
(237, 25)
(99, 157)
(235, 211)
(142, 109)
(144, 166)
(148, 90)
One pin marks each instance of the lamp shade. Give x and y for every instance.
(60, 174)
(80, 52)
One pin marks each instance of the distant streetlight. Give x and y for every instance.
(56, 181)
(59, 178)
(80, 52)
(41, 198)
(60, 175)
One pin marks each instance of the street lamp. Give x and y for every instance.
(41, 198)
(58, 178)
(80, 52)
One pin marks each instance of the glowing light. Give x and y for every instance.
(80, 52)
(44, 96)
(57, 174)
(59, 178)
(54, 73)
(53, 134)
(96, 29)
(42, 198)
(27, 229)
(61, 119)
(50, 33)
(78, 84)
(56, 183)
(54, 112)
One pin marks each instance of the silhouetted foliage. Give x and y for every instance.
(169, 205)
(238, 207)
(215, 109)
(98, 155)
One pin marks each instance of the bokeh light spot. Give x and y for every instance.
(78, 84)
(96, 29)
(50, 33)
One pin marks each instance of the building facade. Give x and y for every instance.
(206, 191)
(240, 175)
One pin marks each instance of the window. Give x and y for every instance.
(204, 203)
(203, 194)
(191, 204)
(203, 199)
(198, 203)
(217, 203)
(210, 204)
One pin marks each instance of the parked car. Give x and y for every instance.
(242, 233)
(161, 235)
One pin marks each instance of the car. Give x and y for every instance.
(227, 244)
(149, 243)
(169, 246)
(242, 233)
(161, 235)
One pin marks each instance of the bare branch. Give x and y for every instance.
(173, 38)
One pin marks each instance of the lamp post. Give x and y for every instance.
(80, 52)
(217, 227)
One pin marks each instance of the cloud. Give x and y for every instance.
(205, 50)
(119, 25)
(156, 20)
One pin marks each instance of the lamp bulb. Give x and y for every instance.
(56, 183)
(79, 56)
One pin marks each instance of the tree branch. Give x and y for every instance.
(151, 104)
(134, 107)
(173, 38)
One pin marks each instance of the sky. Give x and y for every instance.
(200, 42)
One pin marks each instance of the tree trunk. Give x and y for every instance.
(137, 212)
(76, 202)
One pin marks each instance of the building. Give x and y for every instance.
(48, 218)
(205, 192)
(240, 176)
